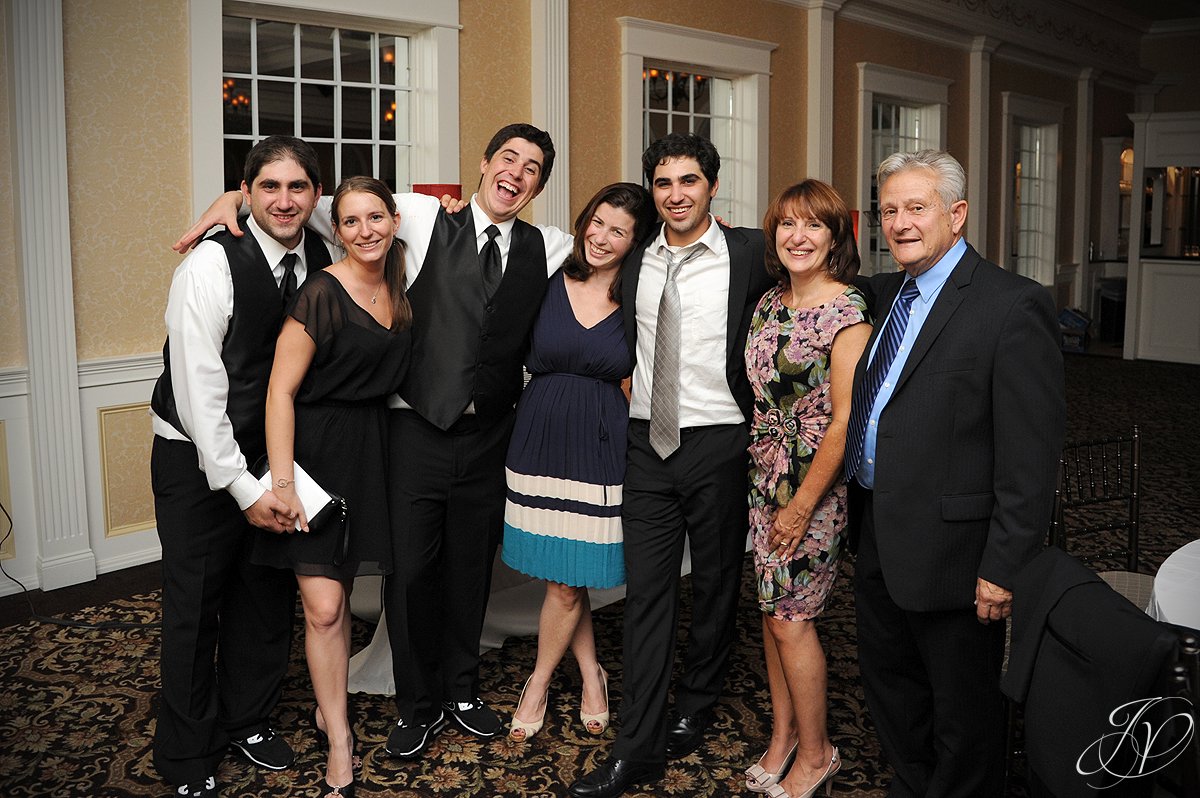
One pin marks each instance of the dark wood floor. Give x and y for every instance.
(106, 587)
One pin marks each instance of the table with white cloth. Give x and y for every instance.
(1176, 595)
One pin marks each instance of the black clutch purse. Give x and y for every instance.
(327, 512)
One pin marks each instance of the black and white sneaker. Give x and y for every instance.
(266, 749)
(199, 789)
(475, 717)
(409, 741)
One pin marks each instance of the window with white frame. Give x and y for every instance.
(899, 111)
(345, 92)
(729, 104)
(1030, 193)
(686, 101)
(336, 66)
(895, 127)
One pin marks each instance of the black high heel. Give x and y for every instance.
(345, 791)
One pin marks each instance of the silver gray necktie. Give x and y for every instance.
(664, 394)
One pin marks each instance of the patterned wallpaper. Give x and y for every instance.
(12, 326)
(128, 156)
(493, 61)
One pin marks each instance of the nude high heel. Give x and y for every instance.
(758, 779)
(835, 764)
(519, 730)
(598, 723)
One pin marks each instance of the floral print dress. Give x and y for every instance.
(787, 361)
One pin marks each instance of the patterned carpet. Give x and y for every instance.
(76, 708)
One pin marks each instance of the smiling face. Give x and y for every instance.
(281, 200)
(609, 237)
(920, 229)
(803, 243)
(682, 196)
(364, 226)
(510, 179)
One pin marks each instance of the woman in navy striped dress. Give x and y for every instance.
(566, 460)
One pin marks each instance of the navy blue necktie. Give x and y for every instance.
(877, 369)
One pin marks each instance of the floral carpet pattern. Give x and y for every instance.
(77, 704)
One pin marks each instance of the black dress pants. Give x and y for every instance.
(932, 682)
(446, 497)
(215, 605)
(699, 492)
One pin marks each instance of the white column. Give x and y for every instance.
(819, 158)
(1085, 89)
(35, 45)
(551, 103)
(980, 79)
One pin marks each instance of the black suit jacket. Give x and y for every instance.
(967, 447)
(1080, 650)
(748, 281)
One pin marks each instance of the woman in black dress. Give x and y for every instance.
(343, 349)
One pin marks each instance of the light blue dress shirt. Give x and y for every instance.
(929, 283)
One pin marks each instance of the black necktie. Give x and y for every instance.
(867, 390)
(287, 285)
(489, 261)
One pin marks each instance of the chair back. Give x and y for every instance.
(1096, 500)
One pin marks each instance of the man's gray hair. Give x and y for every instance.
(951, 179)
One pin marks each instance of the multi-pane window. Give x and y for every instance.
(1033, 192)
(895, 127)
(683, 101)
(346, 92)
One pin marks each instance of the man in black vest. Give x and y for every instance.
(476, 280)
(223, 315)
(688, 294)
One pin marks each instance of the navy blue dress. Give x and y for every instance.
(566, 459)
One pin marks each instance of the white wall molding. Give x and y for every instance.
(120, 370)
(1085, 90)
(40, 160)
(14, 382)
(551, 103)
(819, 108)
(980, 78)
(1029, 29)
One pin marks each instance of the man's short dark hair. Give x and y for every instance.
(534, 135)
(682, 145)
(277, 148)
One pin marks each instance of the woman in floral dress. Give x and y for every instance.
(805, 339)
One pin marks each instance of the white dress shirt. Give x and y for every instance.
(704, 395)
(418, 214)
(199, 307)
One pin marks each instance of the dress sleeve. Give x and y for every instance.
(317, 307)
(854, 310)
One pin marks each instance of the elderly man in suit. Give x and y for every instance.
(955, 430)
(688, 294)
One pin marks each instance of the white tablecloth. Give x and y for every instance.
(1176, 596)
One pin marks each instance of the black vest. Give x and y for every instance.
(465, 348)
(249, 345)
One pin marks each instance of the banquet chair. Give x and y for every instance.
(1096, 505)
(1184, 778)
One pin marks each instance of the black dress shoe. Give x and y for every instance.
(685, 733)
(614, 778)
